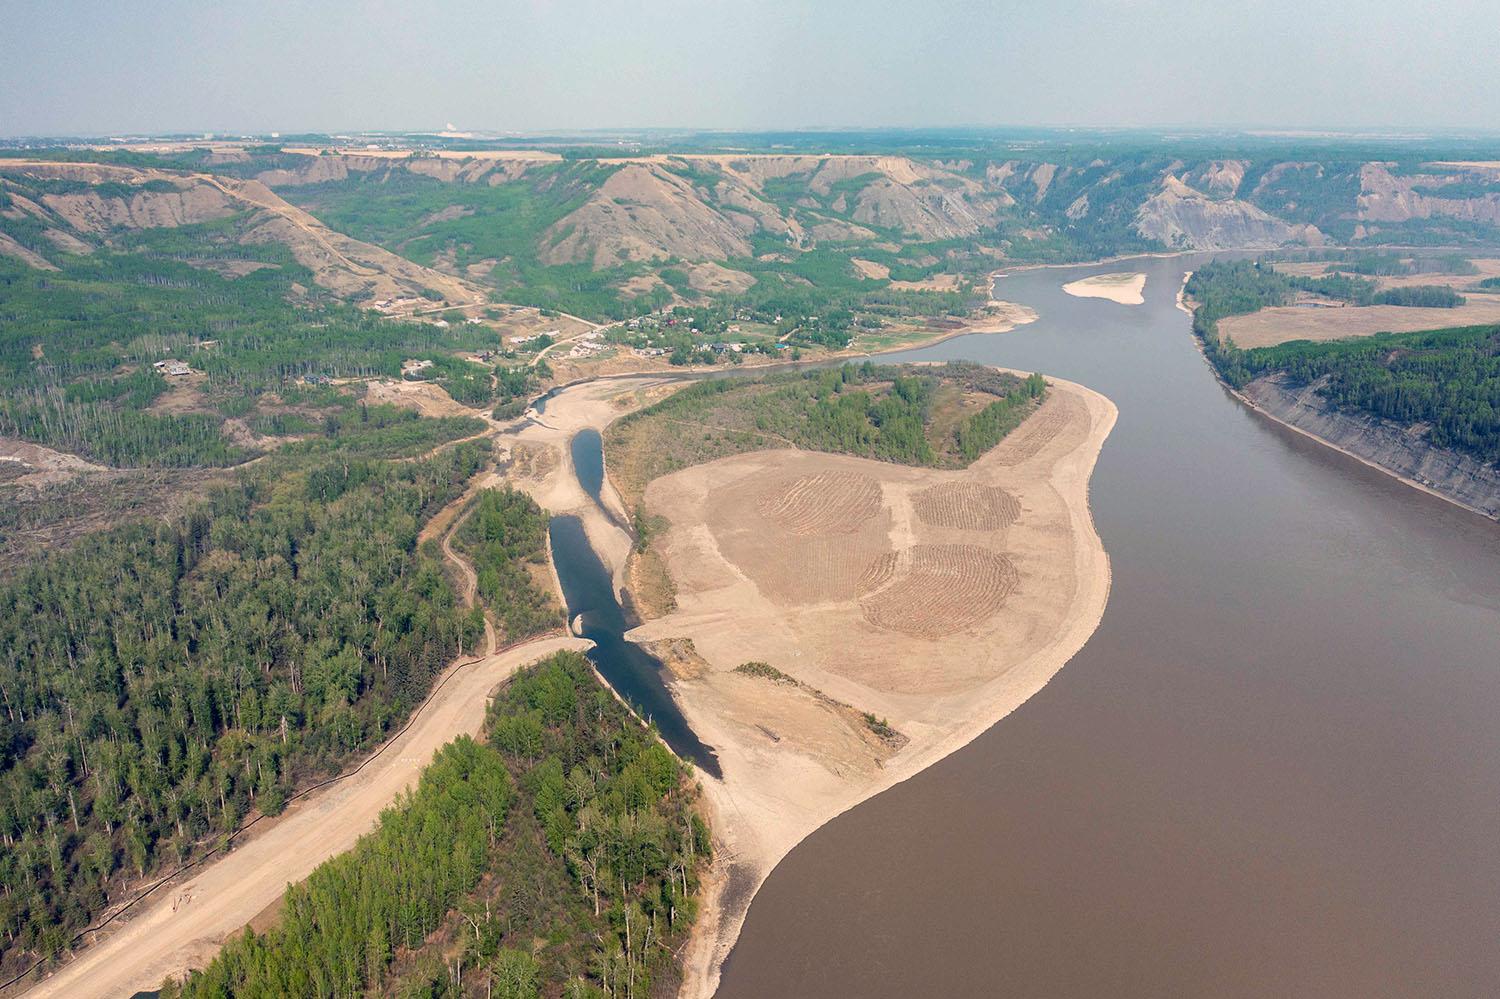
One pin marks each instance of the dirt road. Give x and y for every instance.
(470, 592)
(186, 925)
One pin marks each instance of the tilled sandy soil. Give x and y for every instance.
(936, 601)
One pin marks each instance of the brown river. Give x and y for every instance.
(1273, 771)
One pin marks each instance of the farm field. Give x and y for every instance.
(1284, 323)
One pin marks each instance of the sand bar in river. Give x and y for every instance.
(1123, 288)
(901, 612)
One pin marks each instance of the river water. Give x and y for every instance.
(588, 590)
(1273, 771)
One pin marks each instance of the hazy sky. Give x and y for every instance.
(95, 67)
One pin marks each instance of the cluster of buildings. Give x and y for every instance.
(588, 345)
(391, 306)
(172, 368)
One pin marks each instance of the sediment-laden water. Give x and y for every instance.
(1273, 771)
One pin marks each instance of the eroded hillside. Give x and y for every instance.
(73, 208)
(614, 236)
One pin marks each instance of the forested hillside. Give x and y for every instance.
(159, 682)
(779, 224)
(560, 858)
(1445, 383)
(77, 349)
(52, 210)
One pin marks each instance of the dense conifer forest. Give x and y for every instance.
(161, 681)
(560, 857)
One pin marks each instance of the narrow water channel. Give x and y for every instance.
(589, 592)
(587, 448)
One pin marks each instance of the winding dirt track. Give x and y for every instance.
(186, 925)
(183, 924)
(470, 592)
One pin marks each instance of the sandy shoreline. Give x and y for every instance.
(1182, 300)
(773, 796)
(222, 897)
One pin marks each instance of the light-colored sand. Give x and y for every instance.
(43, 465)
(186, 923)
(1182, 300)
(1124, 288)
(996, 316)
(1310, 322)
(793, 757)
(554, 484)
(939, 619)
(427, 398)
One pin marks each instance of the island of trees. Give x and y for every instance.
(933, 416)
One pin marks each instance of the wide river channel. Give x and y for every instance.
(1273, 771)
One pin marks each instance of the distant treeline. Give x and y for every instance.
(1238, 287)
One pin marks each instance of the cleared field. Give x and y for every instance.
(424, 397)
(1030, 438)
(940, 589)
(1269, 327)
(827, 503)
(806, 539)
(1485, 267)
(934, 576)
(966, 506)
(932, 614)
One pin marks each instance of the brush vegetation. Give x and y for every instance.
(937, 417)
(1444, 383)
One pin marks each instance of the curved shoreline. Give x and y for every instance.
(1266, 414)
(744, 861)
(207, 937)
(1260, 411)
